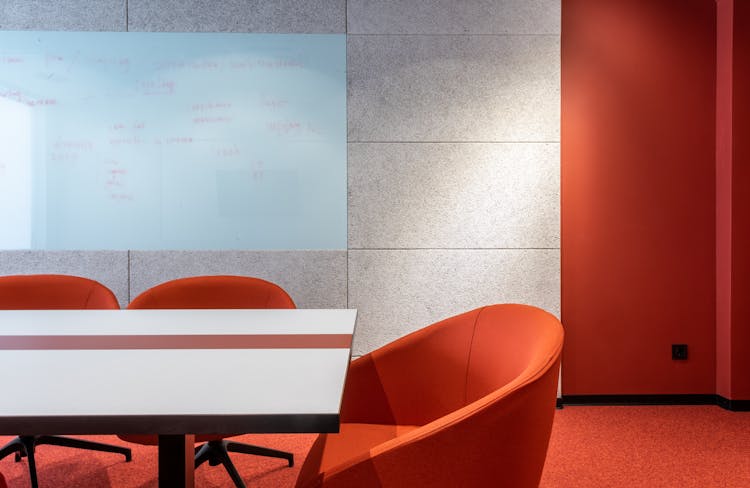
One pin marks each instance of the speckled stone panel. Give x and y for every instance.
(454, 17)
(274, 16)
(397, 292)
(454, 195)
(314, 279)
(78, 15)
(107, 267)
(454, 88)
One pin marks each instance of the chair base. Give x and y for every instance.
(24, 445)
(217, 452)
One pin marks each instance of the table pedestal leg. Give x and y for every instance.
(176, 461)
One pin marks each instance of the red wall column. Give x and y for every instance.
(638, 195)
(740, 328)
(724, 43)
(733, 201)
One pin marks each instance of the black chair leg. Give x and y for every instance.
(13, 446)
(24, 446)
(217, 452)
(31, 459)
(56, 440)
(258, 451)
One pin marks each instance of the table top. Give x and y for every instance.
(173, 371)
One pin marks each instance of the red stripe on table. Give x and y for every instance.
(259, 341)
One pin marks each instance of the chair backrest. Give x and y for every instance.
(445, 366)
(214, 292)
(481, 388)
(54, 291)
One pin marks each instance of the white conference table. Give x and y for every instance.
(174, 373)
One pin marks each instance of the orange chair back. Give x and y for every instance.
(54, 292)
(470, 399)
(214, 292)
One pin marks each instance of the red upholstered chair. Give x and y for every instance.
(215, 292)
(51, 292)
(466, 402)
(2, 481)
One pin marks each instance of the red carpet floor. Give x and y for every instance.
(651, 447)
(60, 467)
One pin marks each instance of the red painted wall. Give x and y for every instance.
(638, 195)
(740, 338)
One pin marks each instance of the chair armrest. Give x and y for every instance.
(414, 379)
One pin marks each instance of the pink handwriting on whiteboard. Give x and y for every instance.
(77, 144)
(280, 63)
(293, 127)
(41, 102)
(284, 127)
(211, 120)
(127, 141)
(170, 65)
(20, 97)
(210, 106)
(178, 140)
(205, 65)
(123, 126)
(122, 197)
(157, 87)
(274, 103)
(121, 64)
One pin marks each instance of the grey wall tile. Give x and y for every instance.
(81, 15)
(314, 279)
(397, 292)
(454, 195)
(454, 17)
(279, 16)
(453, 88)
(107, 267)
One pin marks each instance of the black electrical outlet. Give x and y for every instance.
(679, 352)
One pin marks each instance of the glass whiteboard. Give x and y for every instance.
(150, 141)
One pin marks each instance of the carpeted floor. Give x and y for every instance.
(60, 467)
(649, 447)
(602, 447)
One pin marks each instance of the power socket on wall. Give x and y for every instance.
(679, 352)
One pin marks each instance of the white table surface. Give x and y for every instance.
(173, 371)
